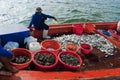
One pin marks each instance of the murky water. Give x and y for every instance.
(20, 11)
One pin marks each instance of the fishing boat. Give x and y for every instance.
(90, 74)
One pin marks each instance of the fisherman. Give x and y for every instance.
(38, 22)
(5, 57)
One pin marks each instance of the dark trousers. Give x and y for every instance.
(43, 27)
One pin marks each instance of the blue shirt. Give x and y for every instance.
(5, 53)
(39, 20)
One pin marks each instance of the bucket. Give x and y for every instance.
(51, 45)
(68, 67)
(22, 52)
(85, 48)
(44, 67)
(34, 46)
(71, 47)
(77, 29)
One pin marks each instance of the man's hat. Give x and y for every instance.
(38, 9)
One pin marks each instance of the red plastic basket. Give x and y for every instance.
(22, 51)
(43, 67)
(51, 45)
(89, 28)
(67, 67)
(71, 47)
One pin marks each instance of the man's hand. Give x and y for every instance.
(31, 28)
(55, 19)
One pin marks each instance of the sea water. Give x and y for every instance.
(66, 11)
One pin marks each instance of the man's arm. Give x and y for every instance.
(49, 16)
(5, 53)
(31, 22)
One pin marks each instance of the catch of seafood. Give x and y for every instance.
(95, 40)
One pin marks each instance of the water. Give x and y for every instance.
(66, 11)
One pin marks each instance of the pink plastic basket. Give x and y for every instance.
(85, 48)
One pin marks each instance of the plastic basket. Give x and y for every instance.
(43, 67)
(22, 51)
(51, 45)
(67, 67)
(85, 48)
(71, 47)
(77, 29)
(89, 28)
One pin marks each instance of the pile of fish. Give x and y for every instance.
(95, 40)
